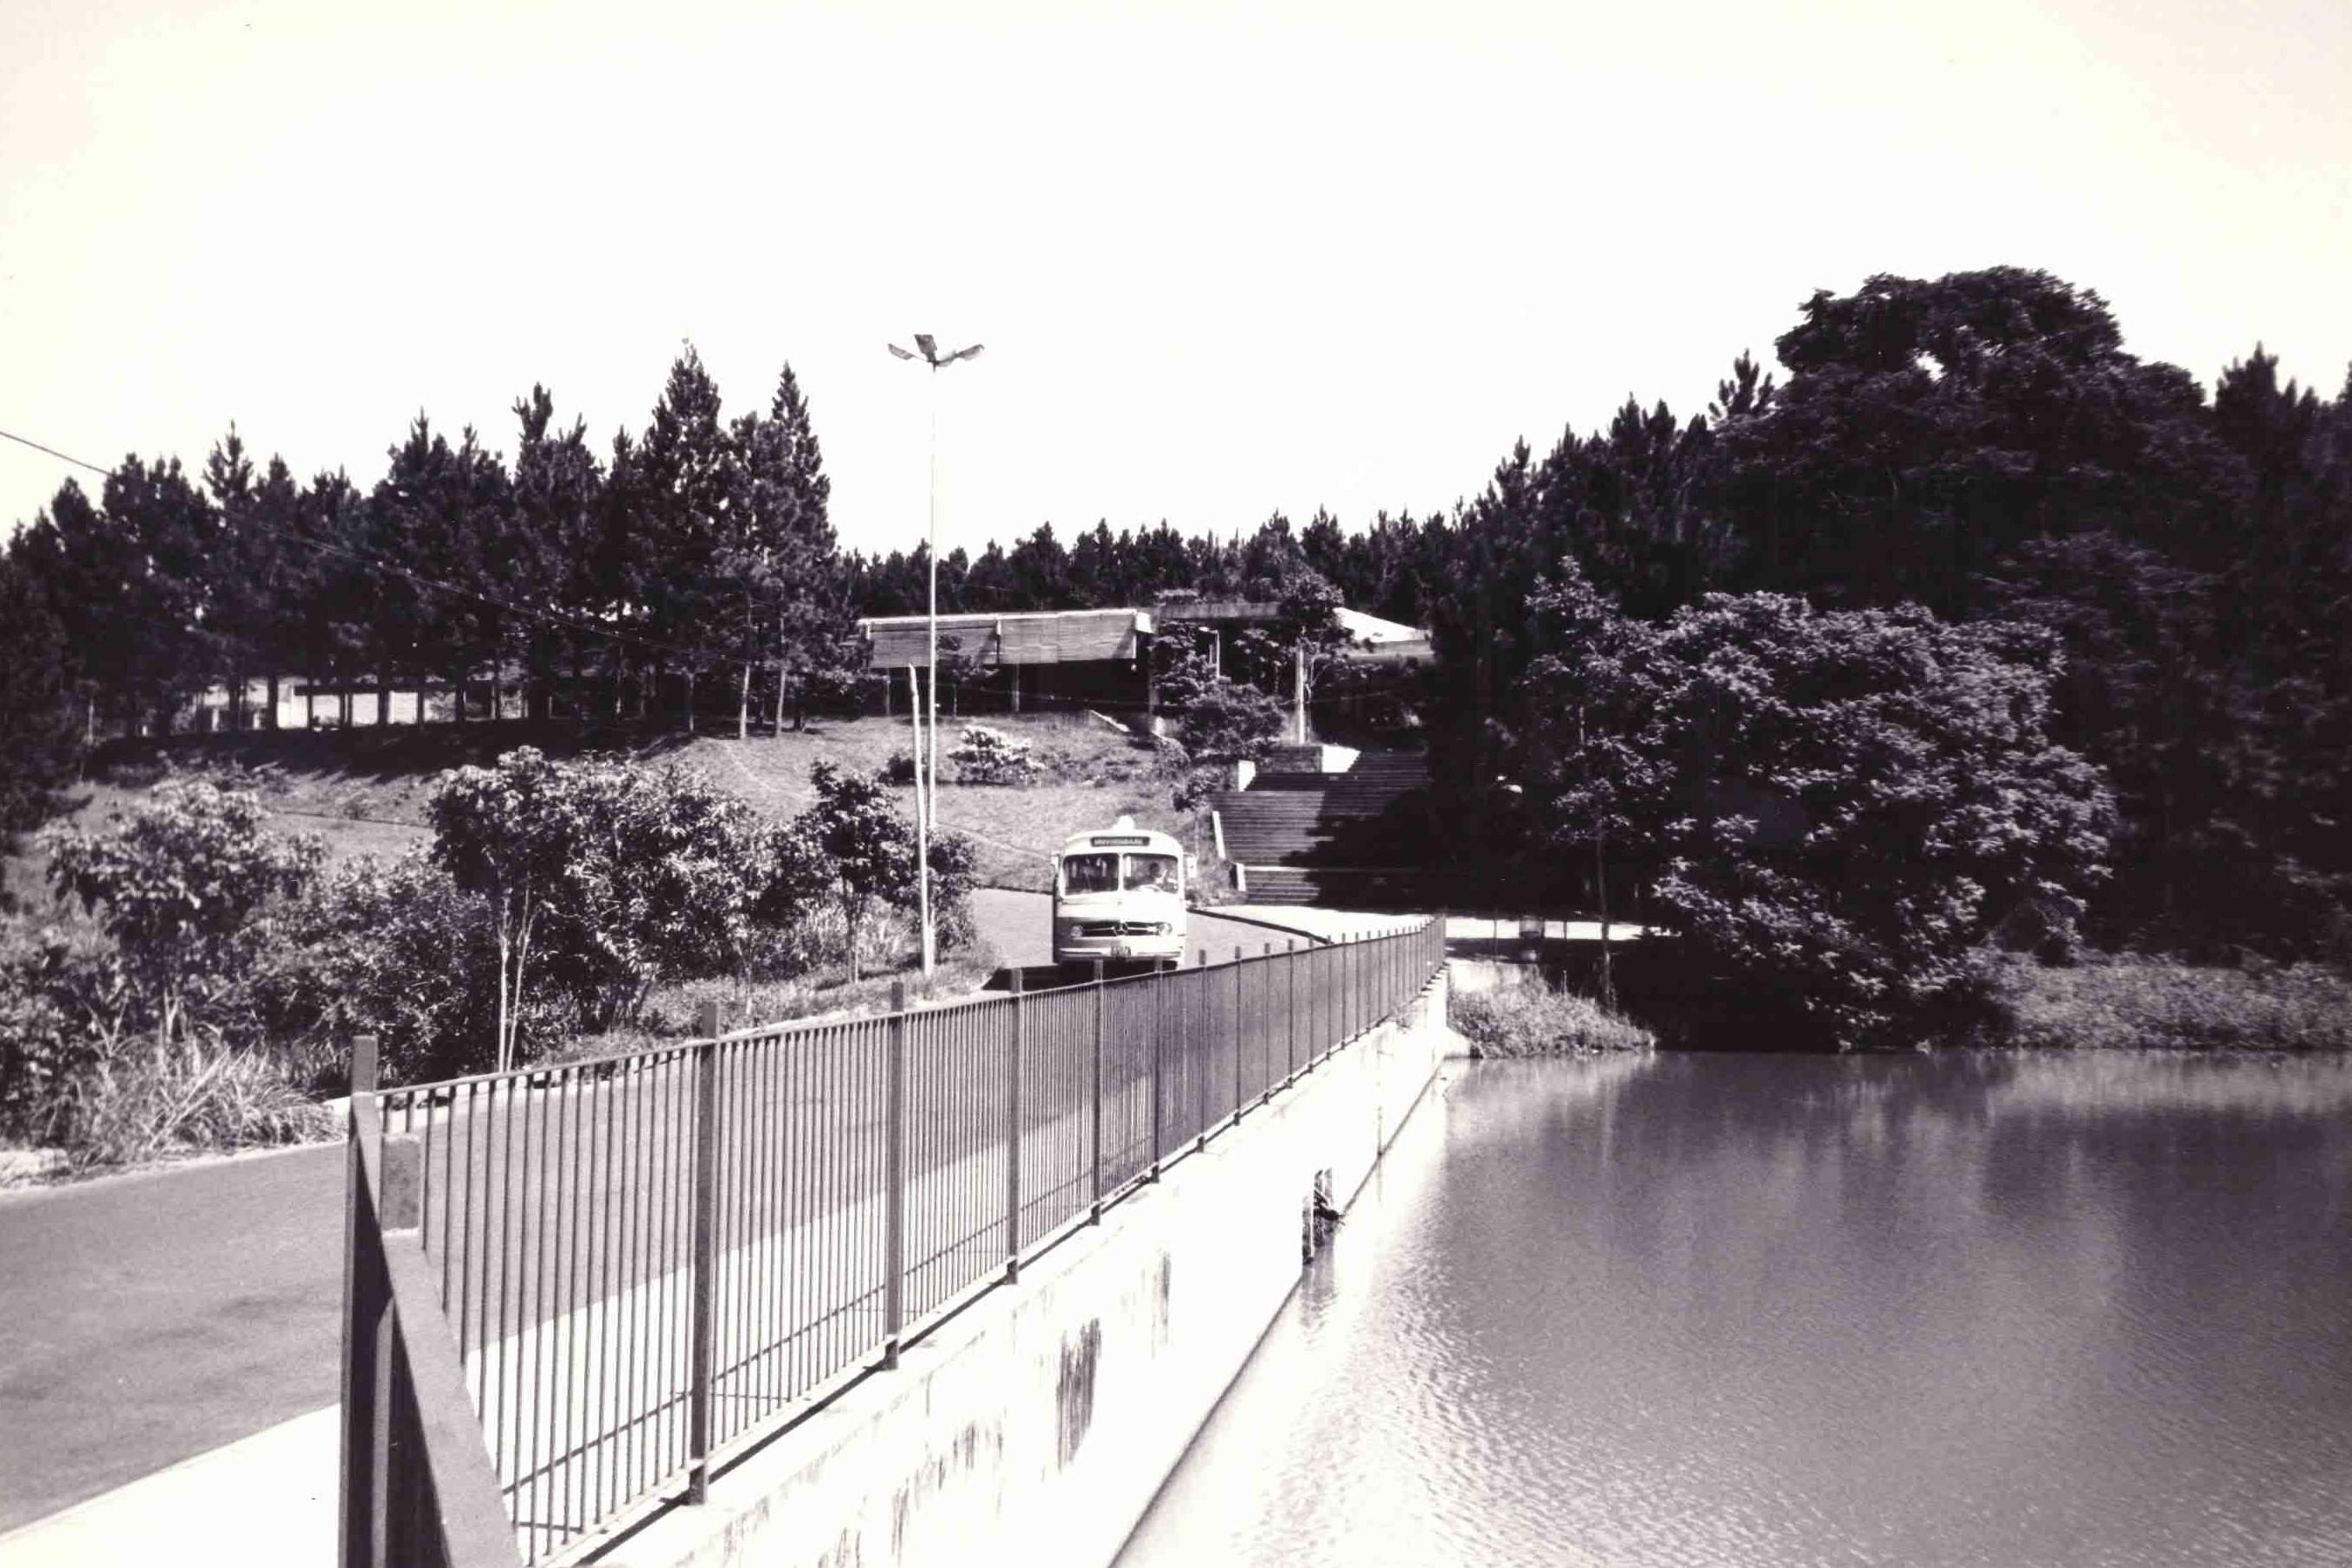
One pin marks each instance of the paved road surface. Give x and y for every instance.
(147, 1319)
(1019, 926)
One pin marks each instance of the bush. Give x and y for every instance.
(899, 770)
(396, 950)
(63, 1005)
(1540, 1020)
(986, 756)
(1225, 721)
(611, 876)
(1831, 809)
(2158, 1004)
(182, 883)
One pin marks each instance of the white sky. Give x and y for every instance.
(1227, 259)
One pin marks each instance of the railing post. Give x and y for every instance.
(1158, 1045)
(1237, 1034)
(1265, 1041)
(894, 1225)
(1094, 1216)
(367, 1408)
(1208, 1053)
(1343, 1000)
(706, 1247)
(1013, 1052)
(1290, 1011)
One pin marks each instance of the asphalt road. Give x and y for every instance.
(1019, 926)
(153, 1317)
(147, 1318)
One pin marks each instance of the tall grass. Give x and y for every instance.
(141, 1104)
(2159, 1003)
(1538, 1019)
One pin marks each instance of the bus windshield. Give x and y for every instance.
(1152, 873)
(1090, 874)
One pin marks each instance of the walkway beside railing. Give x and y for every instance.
(646, 1260)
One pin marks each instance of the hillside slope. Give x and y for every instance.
(365, 791)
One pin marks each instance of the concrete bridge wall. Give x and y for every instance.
(1037, 1426)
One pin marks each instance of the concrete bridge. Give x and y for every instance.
(955, 1285)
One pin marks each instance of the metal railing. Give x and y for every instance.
(417, 1485)
(645, 1258)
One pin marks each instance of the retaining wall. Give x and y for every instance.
(1037, 1426)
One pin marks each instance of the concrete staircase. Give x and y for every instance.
(1339, 840)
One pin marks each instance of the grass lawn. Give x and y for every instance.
(1092, 778)
(364, 791)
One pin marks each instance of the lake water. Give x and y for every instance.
(1698, 1310)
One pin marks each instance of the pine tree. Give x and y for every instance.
(40, 732)
(444, 512)
(683, 483)
(169, 534)
(238, 574)
(558, 500)
(817, 654)
(289, 574)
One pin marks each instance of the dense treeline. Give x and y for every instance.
(698, 552)
(1980, 444)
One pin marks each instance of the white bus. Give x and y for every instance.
(1120, 894)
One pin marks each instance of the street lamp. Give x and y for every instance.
(926, 793)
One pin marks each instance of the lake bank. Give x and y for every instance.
(2100, 1002)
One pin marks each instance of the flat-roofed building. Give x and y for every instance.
(1053, 658)
(1076, 659)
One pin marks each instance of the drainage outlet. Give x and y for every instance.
(1319, 1216)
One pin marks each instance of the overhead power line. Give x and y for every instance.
(52, 451)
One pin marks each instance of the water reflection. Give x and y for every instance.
(1933, 1310)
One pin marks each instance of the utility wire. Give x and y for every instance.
(52, 451)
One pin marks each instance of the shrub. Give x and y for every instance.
(852, 854)
(1225, 721)
(615, 875)
(1831, 809)
(899, 770)
(986, 756)
(659, 884)
(64, 1003)
(1539, 1020)
(181, 882)
(396, 950)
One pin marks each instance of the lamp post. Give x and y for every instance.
(928, 756)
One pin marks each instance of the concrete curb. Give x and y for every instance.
(1224, 913)
(269, 1499)
(32, 1192)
